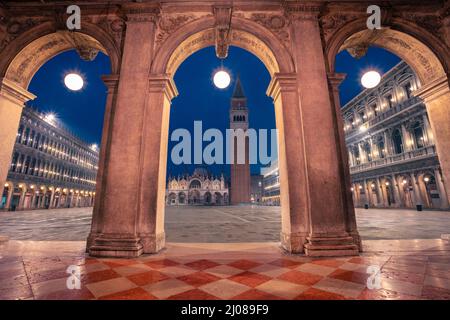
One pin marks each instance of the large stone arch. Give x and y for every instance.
(23, 57)
(278, 60)
(427, 55)
(423, 51)
(245, 34)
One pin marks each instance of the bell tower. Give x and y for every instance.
(240, 172)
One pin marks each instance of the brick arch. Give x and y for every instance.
(24, 56)
(245, 34)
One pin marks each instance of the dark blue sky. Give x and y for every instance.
(198, 99)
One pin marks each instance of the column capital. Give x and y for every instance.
(335, 79)
(111, 81)
(282, 82)
(163, 83)
(14, 92)
(433, 90)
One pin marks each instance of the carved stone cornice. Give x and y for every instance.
(163, 83)
(303, 11)
(14, 92)
(111, 82)
(433, 90)
(140, 12)
(335, 79)
(282, 82)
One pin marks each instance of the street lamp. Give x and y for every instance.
(222, 79)
(74, 81)
(370, 79)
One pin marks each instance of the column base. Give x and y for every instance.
(356, 240)
(293, 242)
(322, 246)
(152, 243)
(118, 246)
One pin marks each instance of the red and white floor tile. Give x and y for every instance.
(409, 270)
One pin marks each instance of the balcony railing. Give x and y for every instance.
(405, 156)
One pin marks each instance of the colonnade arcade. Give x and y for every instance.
(402, 190)
(296, 40)
(22, 196)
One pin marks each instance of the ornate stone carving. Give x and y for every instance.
(113, 25)
(168, 24)
(222, 30)
(13, 28)
(275, 23)
(333, 22)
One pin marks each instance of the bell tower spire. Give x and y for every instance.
(240, 172)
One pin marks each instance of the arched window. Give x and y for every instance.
(243, 118)
(373, 107)
(195, 184)
(390, 101)
(19, 134)
(26, 165)
(418, 135)
(356, 153)
(368, 152)
(26, 136)
(14, 161)
(351, 120)
(397, 141)
(408, 89)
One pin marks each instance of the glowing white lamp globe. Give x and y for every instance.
(222, 79)
(74, 82)
(370, 79)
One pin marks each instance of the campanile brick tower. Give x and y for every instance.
(240, 172)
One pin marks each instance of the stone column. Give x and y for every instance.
(328, 234)
(23, 192)
(437, 100)
(379, 193)
(12, 99)
(387, 146)
(397, 199)
(111, 83)
(294, 196)
(368, 192)
(154, 163)
(407, 145)
(334, 81)
(441, 188)
(417, 193)
(9, 197)
(116, 223)
(428, 134)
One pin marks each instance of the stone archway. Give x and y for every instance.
(424, 51)
(308, 224)
(27, 45)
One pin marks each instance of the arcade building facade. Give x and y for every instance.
(50, 167)
(391, 147)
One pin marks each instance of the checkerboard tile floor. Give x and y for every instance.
(196, 273)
